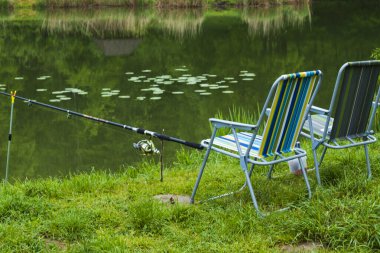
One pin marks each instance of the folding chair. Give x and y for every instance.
(348, 121)
(291, 96)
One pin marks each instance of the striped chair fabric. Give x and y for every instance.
(350, 115)
(354, 101)
(319, 124)
(289, 105)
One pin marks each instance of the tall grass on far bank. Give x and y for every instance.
(140, 3)
(268, 21)
(118, 23)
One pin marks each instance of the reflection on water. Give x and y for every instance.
(117, 47)
(157, 70)
(115, 23)
(177, 22)
(180, 23)
(273, 20)
(98, 22)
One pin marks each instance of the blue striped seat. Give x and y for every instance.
(228, 142)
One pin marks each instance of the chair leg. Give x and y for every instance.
(248, 182)
(316, 166)
(305, 177)
(369, 173)
(245, 182)
(269, 176)
(200, 175)
(323, 155)
(233, 192)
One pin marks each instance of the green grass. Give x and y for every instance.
(116, 212)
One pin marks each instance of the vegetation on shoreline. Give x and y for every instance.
(116, 212)
(136, 3)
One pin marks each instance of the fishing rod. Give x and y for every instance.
(134, 129)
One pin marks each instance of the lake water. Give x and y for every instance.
(157, 70)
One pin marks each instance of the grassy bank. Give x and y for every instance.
(116, 212)
(135, 3)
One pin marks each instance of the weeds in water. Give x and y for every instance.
(268, 21)
(238, 114)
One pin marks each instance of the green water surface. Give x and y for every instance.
(160, 70)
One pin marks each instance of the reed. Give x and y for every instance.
(136, 3)
(99, 23)
(180, 23)
(272, 20)
(238, 114)
(113, 23)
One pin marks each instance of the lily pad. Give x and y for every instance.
(124, 96)
(177, 92)
(41, 90)
(227, 91)
(155, 98)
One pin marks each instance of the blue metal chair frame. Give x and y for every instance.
(292, 96)
(348, 121)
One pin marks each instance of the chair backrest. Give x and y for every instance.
(352, 99)
(292, 99)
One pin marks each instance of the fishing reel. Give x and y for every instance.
(146, 147)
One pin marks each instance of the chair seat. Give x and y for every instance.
(319, 122)
(228, 142)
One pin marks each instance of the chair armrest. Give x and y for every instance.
(318, 110)
(226, 123)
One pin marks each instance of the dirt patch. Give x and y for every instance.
(173, 199)
(59, 244)
(302, 247)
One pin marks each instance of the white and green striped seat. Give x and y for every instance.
(228, 142)
(290, 97)
(319, 124)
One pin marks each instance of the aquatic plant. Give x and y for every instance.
(238, 114)
(98, 23)
(180, 23)
(107, 23)
(271, 20)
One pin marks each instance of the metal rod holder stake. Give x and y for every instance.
(162, 159)
(13, 95)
